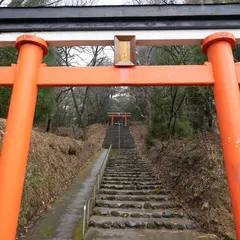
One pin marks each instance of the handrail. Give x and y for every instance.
(119, 136)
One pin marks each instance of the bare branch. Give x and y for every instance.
(2, 2)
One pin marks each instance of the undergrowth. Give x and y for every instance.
(194, 171)
(53, 163)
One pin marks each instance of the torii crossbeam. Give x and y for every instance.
(216, 28)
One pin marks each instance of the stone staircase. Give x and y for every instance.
(119, 136)
(132, 204)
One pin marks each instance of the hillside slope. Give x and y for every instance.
(195, 173)
(52, 165)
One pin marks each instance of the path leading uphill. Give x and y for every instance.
(132, 204)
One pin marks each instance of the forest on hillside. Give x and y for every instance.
(168, 111)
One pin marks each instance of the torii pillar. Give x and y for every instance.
(112, 119)
(125, 119)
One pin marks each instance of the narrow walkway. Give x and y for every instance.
(63, 220)
(131, 199)
(119, 137)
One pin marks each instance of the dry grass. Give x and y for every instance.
(139, 132)
(195, 173)
(53, 163)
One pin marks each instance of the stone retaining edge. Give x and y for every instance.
(90, 203)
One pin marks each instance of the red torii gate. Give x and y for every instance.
(221, 72)
(29, 74)
(119, 114)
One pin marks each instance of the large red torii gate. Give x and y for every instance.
(29, 74)
(221, 72)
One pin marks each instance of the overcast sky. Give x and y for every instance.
(100, 2)
(112, 2)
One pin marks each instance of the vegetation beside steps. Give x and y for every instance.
(53, 163)
(194, 172)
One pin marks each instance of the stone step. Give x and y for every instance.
(133, 168)
(127, 171)
(127, 168)
(146, 205)
(126, 146)
(141, 175)
(130, 182)
(127, 162)
(111, 140)
(124, 167)
(137, 213)
(119, 154)
(135, 164)
(141, 234)
(134, 198)
(120, 178)
(130, 197)
(130, 187)
(129, 157)
(132, 153)
(138, 167)
(133, 192)
(129, 222)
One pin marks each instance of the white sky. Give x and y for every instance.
(100, 2)
(112, 2)
(121, 2)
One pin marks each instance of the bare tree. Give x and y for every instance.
(75, 56)
(82, 2)
(151, 2)
(33, 3)
(47, 3)
(2, 2)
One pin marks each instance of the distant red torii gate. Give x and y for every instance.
(30, 73)
(119, 114)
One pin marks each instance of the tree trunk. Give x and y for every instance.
(49, 124)
(81, 112)
(174, 96)
(74, 132)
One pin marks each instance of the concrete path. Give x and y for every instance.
(63, 220)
